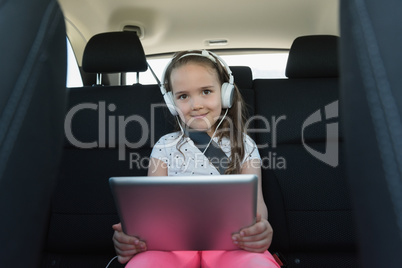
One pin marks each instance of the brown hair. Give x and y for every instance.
(232, 126)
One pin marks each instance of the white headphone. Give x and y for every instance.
(227, 88)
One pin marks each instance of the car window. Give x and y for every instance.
(263, 65)
(73, 72)
(146, 78)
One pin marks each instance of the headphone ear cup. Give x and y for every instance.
(227, 92)
(168, 97)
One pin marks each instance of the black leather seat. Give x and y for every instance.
(304, 181)
(113, 129)
(32, 107)
(243, 79)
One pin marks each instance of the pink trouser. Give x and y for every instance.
(190, 259)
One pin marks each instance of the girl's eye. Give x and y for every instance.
(206, 92)
(182, 97)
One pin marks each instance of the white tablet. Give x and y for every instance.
(186, 212)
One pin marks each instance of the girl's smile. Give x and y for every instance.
(199, 116)
(197, 96)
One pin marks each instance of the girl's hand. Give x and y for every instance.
(256, 238)
(126, 246)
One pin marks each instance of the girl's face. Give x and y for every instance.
(197, 96)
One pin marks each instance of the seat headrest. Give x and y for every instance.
(114, 52)
(313, 56)
(243, 76)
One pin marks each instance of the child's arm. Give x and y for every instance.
(157, 167)
(258, 237)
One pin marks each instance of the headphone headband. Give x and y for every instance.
(204, 53)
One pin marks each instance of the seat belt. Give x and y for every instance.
(214, 152)
(280, 259)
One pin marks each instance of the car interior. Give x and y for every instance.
(330, 127)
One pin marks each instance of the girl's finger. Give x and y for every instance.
(123, 246)
(117, 227)
(252, 238)
(258, 217)
(255, 229)
(254, 244)
(125, 239)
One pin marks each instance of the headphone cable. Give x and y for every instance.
(213, 135)
(216, 129)
(115, 257)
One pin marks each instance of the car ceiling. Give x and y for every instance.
(175, 25)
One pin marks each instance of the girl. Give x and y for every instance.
(196, 85)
